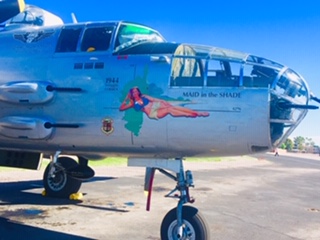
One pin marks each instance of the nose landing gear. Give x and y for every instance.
(193, 225)
(181, 222)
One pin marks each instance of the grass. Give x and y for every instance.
(99, 163)
(209, 159)
(118, 161)
(123, 161)
(112, 161)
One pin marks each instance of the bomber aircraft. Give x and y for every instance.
(101, 89)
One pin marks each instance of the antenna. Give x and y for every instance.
(314, 98)
(74, 19)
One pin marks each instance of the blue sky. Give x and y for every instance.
(284, 31)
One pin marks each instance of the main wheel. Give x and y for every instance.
(58, 183)
(194, 225)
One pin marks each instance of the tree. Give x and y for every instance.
(299, 143)
(283, 146)
(288, 144)
(309, 144)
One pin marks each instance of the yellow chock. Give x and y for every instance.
(76, 196)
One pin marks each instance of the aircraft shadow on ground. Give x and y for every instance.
(16, 231)
(15, 193)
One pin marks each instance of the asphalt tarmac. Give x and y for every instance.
(261, 197)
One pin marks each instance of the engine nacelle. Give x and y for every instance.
(10, 8)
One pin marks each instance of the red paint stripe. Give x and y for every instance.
(124, 57)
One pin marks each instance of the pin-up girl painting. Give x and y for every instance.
(156, 108)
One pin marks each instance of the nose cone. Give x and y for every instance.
(287, 92)
(289, 98)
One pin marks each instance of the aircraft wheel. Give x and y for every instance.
(60, 184)
(193, 224)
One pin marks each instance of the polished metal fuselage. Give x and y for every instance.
(70, 102)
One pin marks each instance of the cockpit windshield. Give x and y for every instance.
(33, 15)
(132, 34)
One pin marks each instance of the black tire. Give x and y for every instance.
(194, 224)
(61, 185)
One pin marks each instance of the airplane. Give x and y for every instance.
(117, 88)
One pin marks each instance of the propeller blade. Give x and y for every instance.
(10, 8)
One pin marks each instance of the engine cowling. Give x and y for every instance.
(10, 8)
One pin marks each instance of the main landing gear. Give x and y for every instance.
(64, 176)
(181, 222)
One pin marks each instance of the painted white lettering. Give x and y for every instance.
(230, 95)
(191, 94)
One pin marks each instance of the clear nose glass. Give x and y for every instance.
(289, 92)
(292, 87)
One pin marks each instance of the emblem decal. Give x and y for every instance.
(31, 37)
(107, 126)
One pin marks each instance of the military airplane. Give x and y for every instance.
(101, 89)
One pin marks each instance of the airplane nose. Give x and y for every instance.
(289, 98)
(287, 92)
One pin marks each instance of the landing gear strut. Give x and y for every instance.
(181, 222)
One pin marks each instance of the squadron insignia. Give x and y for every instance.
(31, 37)
(107, 126)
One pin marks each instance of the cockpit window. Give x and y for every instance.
(258, 76)
(34, 16)
(263, 61)
(131, 34)
(186, 68)
(221, 73)
(68, 40)
(96, 39)
(25, 17)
